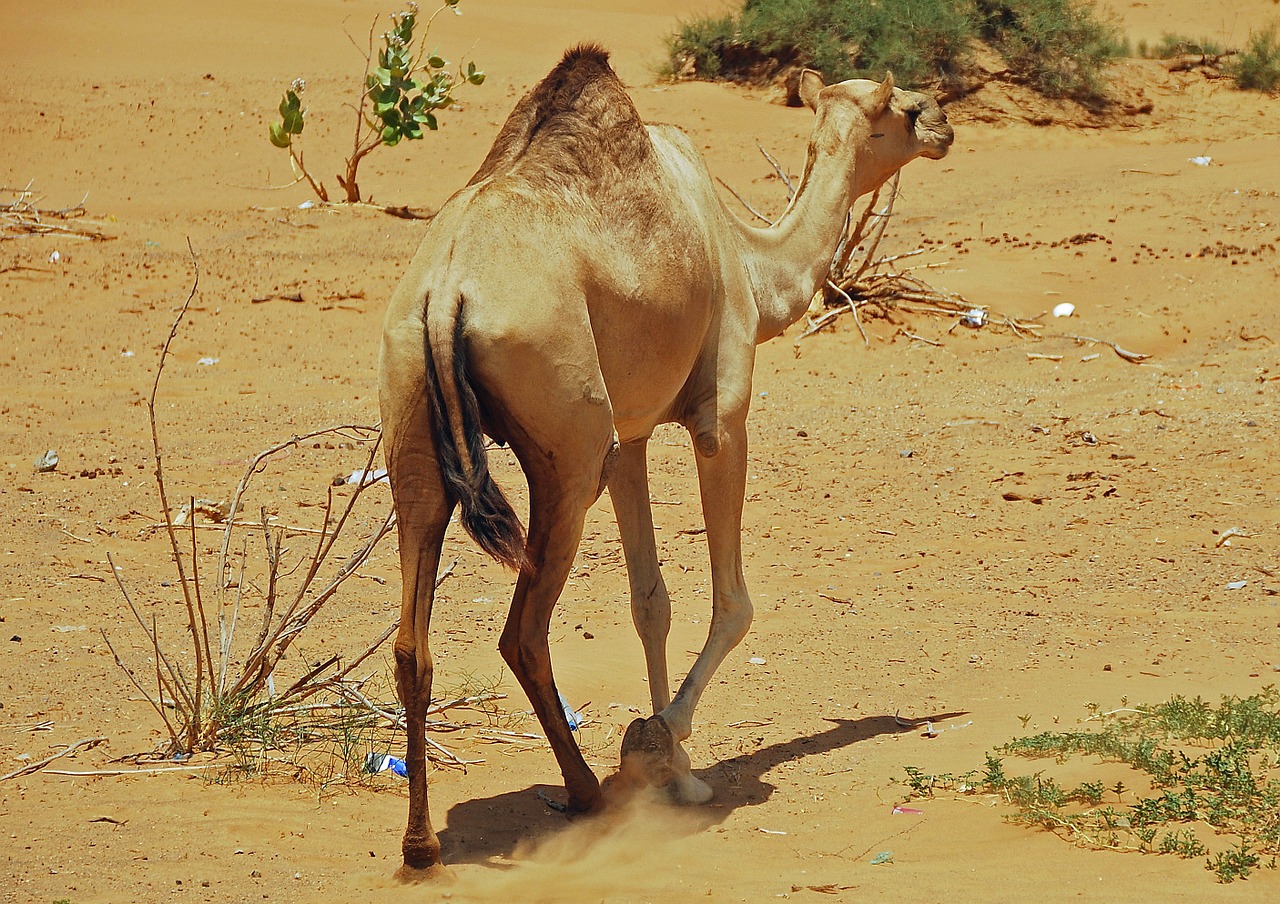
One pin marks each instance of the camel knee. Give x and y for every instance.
(651, 612)
(413, 673)
(707, 442)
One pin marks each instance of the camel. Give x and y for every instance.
(587, 285)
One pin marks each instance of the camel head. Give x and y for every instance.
(885, 127)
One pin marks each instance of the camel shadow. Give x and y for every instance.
(486, 828)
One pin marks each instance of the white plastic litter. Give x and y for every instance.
(361, 476)
(1066, 309)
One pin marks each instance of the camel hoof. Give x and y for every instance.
(689, 790)
(648, 749)
(434, 874)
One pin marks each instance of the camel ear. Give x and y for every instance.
(879, 101)
(810, 84)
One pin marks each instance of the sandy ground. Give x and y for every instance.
(956, 530)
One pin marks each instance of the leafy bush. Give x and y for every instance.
(918, 40)
(704, 40)
(1057, 46)
(1257, 68)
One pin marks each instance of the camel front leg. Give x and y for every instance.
(722, 486)
(661, 757)
(650, 602)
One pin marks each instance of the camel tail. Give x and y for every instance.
(487, 515)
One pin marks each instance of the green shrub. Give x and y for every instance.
(704, 40)
(1057, 46)
(1257, 68)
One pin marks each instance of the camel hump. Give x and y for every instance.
(577, 118)
(587, 59)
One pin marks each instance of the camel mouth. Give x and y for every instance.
(936, 138)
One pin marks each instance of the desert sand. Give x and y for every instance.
(968, 526)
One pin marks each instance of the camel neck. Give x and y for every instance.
(791, 259)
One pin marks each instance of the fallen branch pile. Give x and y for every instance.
(23, 218)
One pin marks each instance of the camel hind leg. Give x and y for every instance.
(423, 508)
(559, 424)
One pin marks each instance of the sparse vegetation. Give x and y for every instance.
(1172, 45)
(1059, 47)
(1204, 772)
(1257, 67)
(399, 97)
(215, 691)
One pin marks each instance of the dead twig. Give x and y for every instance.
(744, 202)
(88, 743)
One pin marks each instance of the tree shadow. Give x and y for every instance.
(491, 827)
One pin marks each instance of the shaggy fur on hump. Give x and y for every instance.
(577, 124)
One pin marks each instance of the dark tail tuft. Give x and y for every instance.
(487, 515)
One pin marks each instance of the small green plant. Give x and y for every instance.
(1213, 768)
(399, 98)
(1257, 67)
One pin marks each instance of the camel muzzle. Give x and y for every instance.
(934, 132)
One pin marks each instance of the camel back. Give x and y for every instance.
(577, 125)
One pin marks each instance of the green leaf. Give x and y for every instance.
(382, 76)
(430, 121)
(412, 130)
(293, 122)
(279, 137)
(390, 136)
(384, 99)
(476, 78)
(436, 62)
